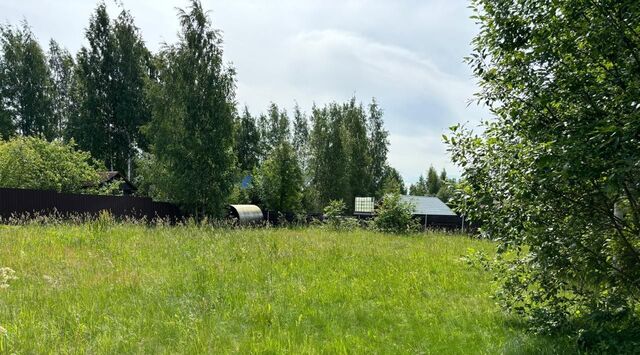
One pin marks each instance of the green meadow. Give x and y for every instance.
(127, 288)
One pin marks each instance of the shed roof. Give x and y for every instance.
(107, 177)
(426, 205)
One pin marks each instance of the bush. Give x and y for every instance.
(335, 218)
(553, 177)
(395, 216)
(34, 163)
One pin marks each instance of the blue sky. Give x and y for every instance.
(407, 53)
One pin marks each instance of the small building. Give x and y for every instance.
(433, 212)
(125, 185)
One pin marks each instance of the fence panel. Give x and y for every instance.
(16, 202)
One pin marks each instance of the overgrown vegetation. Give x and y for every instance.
(105, 287)
(395, 216)
(554, 178)
(33, 163)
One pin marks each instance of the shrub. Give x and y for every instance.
(395, 216)
(34, 163)
(552, 173)
(335, 218)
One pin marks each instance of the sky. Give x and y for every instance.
(408, 54)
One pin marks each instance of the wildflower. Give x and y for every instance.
(6, 275)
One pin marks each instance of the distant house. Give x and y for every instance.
(110, 177)
(432, 211)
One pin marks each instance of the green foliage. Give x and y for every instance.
(327, 156)
(433, 182)
(334, 215)
(356, 152)
(378, 148)
(152, 178)
(111, 75)
(62, 65)
(545, 177)
(434, 185)
(279, 180)
(395, 216)
(392, 182)
(25, 85)
(168, 120)
(300, 140)
(33, 163)
(193, 112)
(274, 129)
(348, 148)
(247, 143)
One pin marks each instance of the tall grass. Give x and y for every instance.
(124, 288)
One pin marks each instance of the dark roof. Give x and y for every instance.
(110, 176)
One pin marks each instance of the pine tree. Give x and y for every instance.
(433, 182)
(192, 127)
(392, 182)
(419, 188)
(25, 85)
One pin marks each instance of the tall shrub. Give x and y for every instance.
(555, 177)
(34, 163)
(395, 216)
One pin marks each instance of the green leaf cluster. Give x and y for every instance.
(555, 177)
(395, 216)
(34, 163)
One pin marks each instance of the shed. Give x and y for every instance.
(125, 186)
(428, 206)
(432, 211)
(246, 214)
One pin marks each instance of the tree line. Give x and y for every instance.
(169, 120)
(438, 185)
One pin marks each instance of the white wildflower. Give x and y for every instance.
(6, 275)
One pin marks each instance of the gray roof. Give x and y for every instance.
(424, 205)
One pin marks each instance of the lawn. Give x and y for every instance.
(123, 288)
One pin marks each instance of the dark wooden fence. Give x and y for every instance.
(440, 221)
(19, 202)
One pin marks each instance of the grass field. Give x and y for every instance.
(129, 289)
